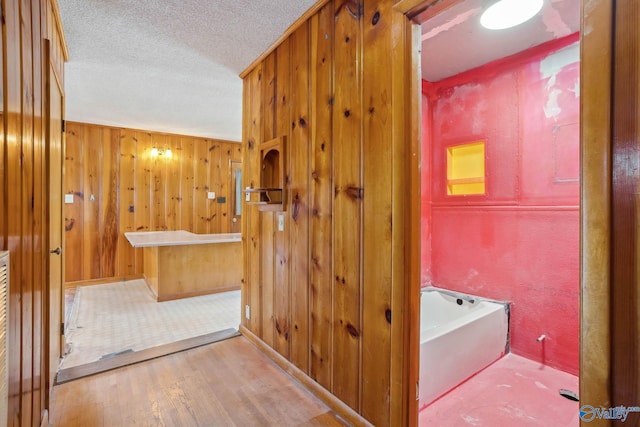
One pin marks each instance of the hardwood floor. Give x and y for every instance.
(229, 383)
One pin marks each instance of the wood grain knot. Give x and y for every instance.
(278, 327)
(71, 222)
(251, 144)
(296, 207)
(387, 314)
(352, 330)
(376, 18)
(355, 193)
(347, 113)
(355, 9)
(302, 122)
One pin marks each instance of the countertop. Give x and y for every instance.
(141, 239)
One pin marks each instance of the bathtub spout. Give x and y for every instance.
(467, 298)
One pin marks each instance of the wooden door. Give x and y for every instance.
(236, 185)
(54, 167)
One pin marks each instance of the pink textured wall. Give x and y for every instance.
(520, 241)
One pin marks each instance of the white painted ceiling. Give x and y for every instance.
(454, 41)
(167, 65)
(173, 65)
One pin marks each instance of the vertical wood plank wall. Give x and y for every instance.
(24, 230)
(109, 170)
(321, 291)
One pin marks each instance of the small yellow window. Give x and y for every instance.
(465, 169)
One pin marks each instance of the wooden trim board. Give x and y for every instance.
(171, 297)
(93, 282)
(340, 408)
(125, 359)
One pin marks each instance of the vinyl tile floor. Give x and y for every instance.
(513, 391)
(112, 318)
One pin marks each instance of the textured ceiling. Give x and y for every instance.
(173, 65)
(167, 65)
(454, 41)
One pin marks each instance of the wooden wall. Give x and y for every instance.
(328, 292)
(110, 172)
(23, 183)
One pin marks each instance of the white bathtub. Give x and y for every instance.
(457, 340)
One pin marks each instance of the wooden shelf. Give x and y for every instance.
(270, 198)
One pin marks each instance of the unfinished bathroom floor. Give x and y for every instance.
(513, 391)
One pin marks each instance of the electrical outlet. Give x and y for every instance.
(211, 195)
(247, 196)
(247, 312)
(68, 198)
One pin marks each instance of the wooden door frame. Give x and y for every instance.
(51, 78)
(596, 145)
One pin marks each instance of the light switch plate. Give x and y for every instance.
(68, 198)
(211, 195)
(280, 222)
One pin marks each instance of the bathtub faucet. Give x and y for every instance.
(467, 298)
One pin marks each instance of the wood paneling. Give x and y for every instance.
(378, 256)
(321, 274)
(347, 225)
(298, 194)
(190, 270)
(25, 196)
(625, 273)
(341, 264)
(119, 187)
(282, 314)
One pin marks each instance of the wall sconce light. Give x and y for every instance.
(156, 152)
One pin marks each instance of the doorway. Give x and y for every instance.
(500, 120)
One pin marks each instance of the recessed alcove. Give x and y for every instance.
(270, 193)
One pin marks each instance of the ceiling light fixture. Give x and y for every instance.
(509, 13)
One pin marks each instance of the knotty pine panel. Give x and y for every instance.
(378, 233)
(172, 195)
(281, 300)
(347, 226)
(267, 233)
(251, 178)
(345, 165)
(187, 183)
(225, 188)
(215, 157)
(299, 196)
(126, 253)
(321, 279)
(92, 142)
(109, 209)
(73, 184)
(134, 192)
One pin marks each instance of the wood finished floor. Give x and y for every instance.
(229, 383)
